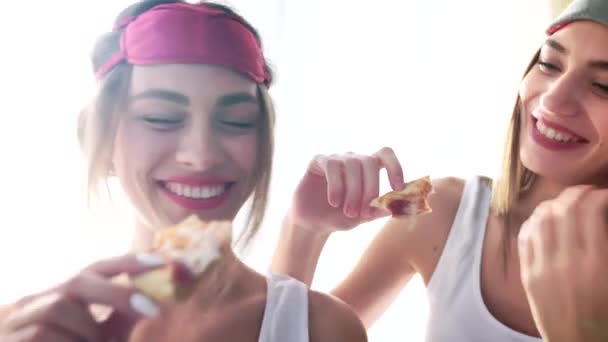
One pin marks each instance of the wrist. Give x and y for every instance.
(298, 250)
(306, 231)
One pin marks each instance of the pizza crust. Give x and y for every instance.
(411, 201)
(189, 248)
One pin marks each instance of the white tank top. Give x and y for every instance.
(286, 312)
(457, 310)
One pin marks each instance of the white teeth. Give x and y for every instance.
(196, 192)
(554, 135)
(176, 188)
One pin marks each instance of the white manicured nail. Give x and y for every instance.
(151, 259)
(144, 305)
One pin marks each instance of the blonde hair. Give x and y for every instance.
(515, 178)
(98, 123)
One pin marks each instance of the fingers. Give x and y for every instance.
(568, 211)
(129, 264)
(526, 249)
(595, 229)
(331, 169)
(537, 241)
(582, 213)
(354, 180)
(544, 232)
(389, 161)
(54, 310)
(40, 333)
(92, 285)
(371, 186)
(560, 230)
(64, 310)
(91, 288)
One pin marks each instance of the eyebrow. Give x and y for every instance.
(179, 98)
(595, 64)
(602, 65)
(162, 94)
(556, 46)
(236, 98)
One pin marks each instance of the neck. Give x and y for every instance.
(228, 278)
(541, 190)
(544, 189)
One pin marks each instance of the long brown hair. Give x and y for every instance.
(514, 178)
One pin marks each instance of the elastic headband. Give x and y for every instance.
(181, 33)
(593, 10)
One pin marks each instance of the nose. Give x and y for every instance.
(563, 97)
(199, 148)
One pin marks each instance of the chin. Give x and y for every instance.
(555, 175)
(176, 214)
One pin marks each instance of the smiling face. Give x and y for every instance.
(564, 102)
(187, 142)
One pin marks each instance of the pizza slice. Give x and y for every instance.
(411, 201)
(189, 248)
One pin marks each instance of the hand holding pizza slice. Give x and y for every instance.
(189, 248)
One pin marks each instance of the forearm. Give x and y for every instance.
(298, 251)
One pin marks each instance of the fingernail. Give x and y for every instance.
(151, 259)
(144, 305)
(351, 213)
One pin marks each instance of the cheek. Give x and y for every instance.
(532, 87)
(527, 87)
(136, 153)
(243, 150)
(122, 143)
(601, 126)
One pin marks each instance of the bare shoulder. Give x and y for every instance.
(426, 236)
(330, 319)
(444, 202)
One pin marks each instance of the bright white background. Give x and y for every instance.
(434, 79)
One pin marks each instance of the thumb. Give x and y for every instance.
(379, 212)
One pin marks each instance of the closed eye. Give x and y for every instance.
(239, 124)
(162, 123)
(547, 67)
(602, 87)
